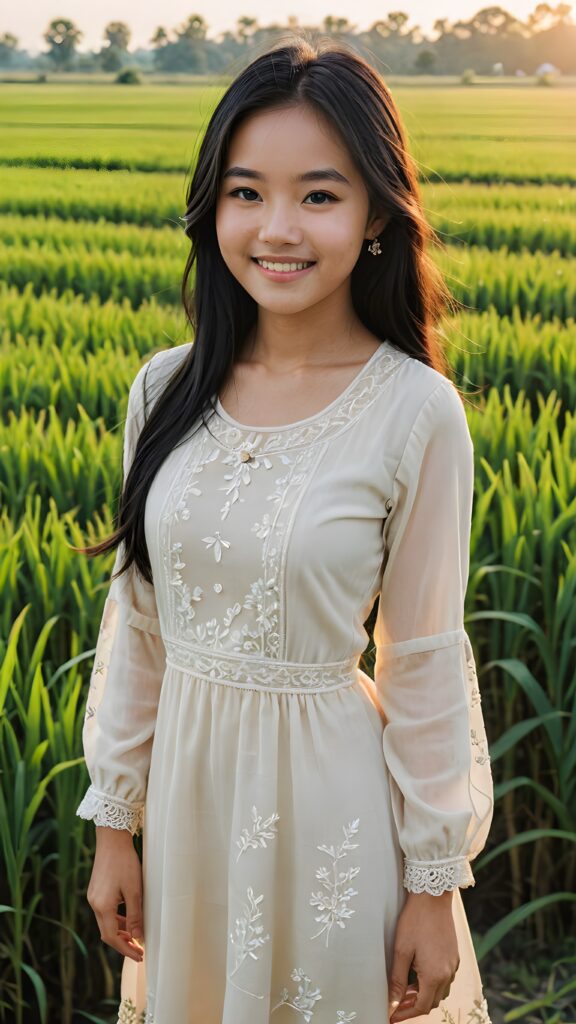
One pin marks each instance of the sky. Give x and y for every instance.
(28, 19)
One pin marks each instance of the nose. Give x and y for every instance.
(279, 226)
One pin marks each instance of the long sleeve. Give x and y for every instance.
(434, 738)
(125, 684)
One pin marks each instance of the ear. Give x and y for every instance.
(376, 226)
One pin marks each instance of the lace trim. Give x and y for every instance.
(353, 402)
(437, 877)
(260, 673)
(110, 811)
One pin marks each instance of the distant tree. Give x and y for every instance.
(425, 62)
(194, 28)
(160, 38)
(189, 50)
(62, 36)
(117, 33)
(245, 29)
(337, 26)
(442, 26)
(544, 16)
(8, 47)
(111, 58)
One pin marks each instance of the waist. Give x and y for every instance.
(252, 672)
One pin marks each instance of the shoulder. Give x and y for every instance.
(430, 400)
(152, 377)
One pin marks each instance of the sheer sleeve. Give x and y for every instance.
(434, 738)
(125, 683)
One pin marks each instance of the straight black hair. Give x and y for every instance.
(401, 296)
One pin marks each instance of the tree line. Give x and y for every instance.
(491, 41)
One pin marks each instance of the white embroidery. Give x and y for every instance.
(261, 831)
(306, 998)
(218, 588)
(437, 877)
(216, 542)
(478, 741)
(110, 811)
(261, 673)
(345, 411)
(477, 1015)
(344, 1018)
(333, 902)
(248, 932)
(183, 610)
(260, 630)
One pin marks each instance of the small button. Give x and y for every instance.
(245, 456)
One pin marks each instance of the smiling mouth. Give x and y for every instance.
(284, 266)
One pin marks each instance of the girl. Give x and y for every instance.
(306, 829)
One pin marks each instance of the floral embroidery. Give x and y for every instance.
(333, 902)
(241, 472)
(248, 932)
(344, 1018)
(127, 1014)
(218, 588)
(254, 673)
(305, 1000)
(261, 831)
(183, 610)
(217, 543)
(482, 756)
(477, 1015)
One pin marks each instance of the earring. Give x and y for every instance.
(374, 247)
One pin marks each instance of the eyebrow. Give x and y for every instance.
(321, 174)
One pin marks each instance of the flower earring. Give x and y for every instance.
(374, 247)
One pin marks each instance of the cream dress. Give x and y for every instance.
(288, 801)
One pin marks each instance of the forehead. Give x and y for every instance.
(288, 141)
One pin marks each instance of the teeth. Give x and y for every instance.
(283, 267)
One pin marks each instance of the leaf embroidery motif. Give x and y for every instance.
(305, 1000)
(248, 935)
(333, 901)
(261, 831)
(217, 543)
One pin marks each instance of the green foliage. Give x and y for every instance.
(129, 76)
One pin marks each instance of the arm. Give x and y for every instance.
(125, 685)
(434, 739)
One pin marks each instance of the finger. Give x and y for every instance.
(425, 998)
(110, 934)
(398, 982)
(134, 916)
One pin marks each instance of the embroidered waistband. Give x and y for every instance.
(254, 673)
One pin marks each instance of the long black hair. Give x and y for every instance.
(401, 296)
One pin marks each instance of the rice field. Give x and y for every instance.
(92, 181)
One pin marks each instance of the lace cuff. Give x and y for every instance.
(438, 876)
(111, 811)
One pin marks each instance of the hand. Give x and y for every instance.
(117, 878)
(425, 940)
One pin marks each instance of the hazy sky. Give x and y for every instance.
(28, 19)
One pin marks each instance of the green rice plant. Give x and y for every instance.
(506, 133)
(69, 321)
(108, 274)
(56, 235)
(542, 283)
(23, 749)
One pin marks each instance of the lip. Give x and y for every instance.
(282, 275)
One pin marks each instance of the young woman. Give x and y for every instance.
(306, 829)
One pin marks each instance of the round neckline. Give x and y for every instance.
(221, 411)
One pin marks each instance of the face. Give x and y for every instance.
(274, 215)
